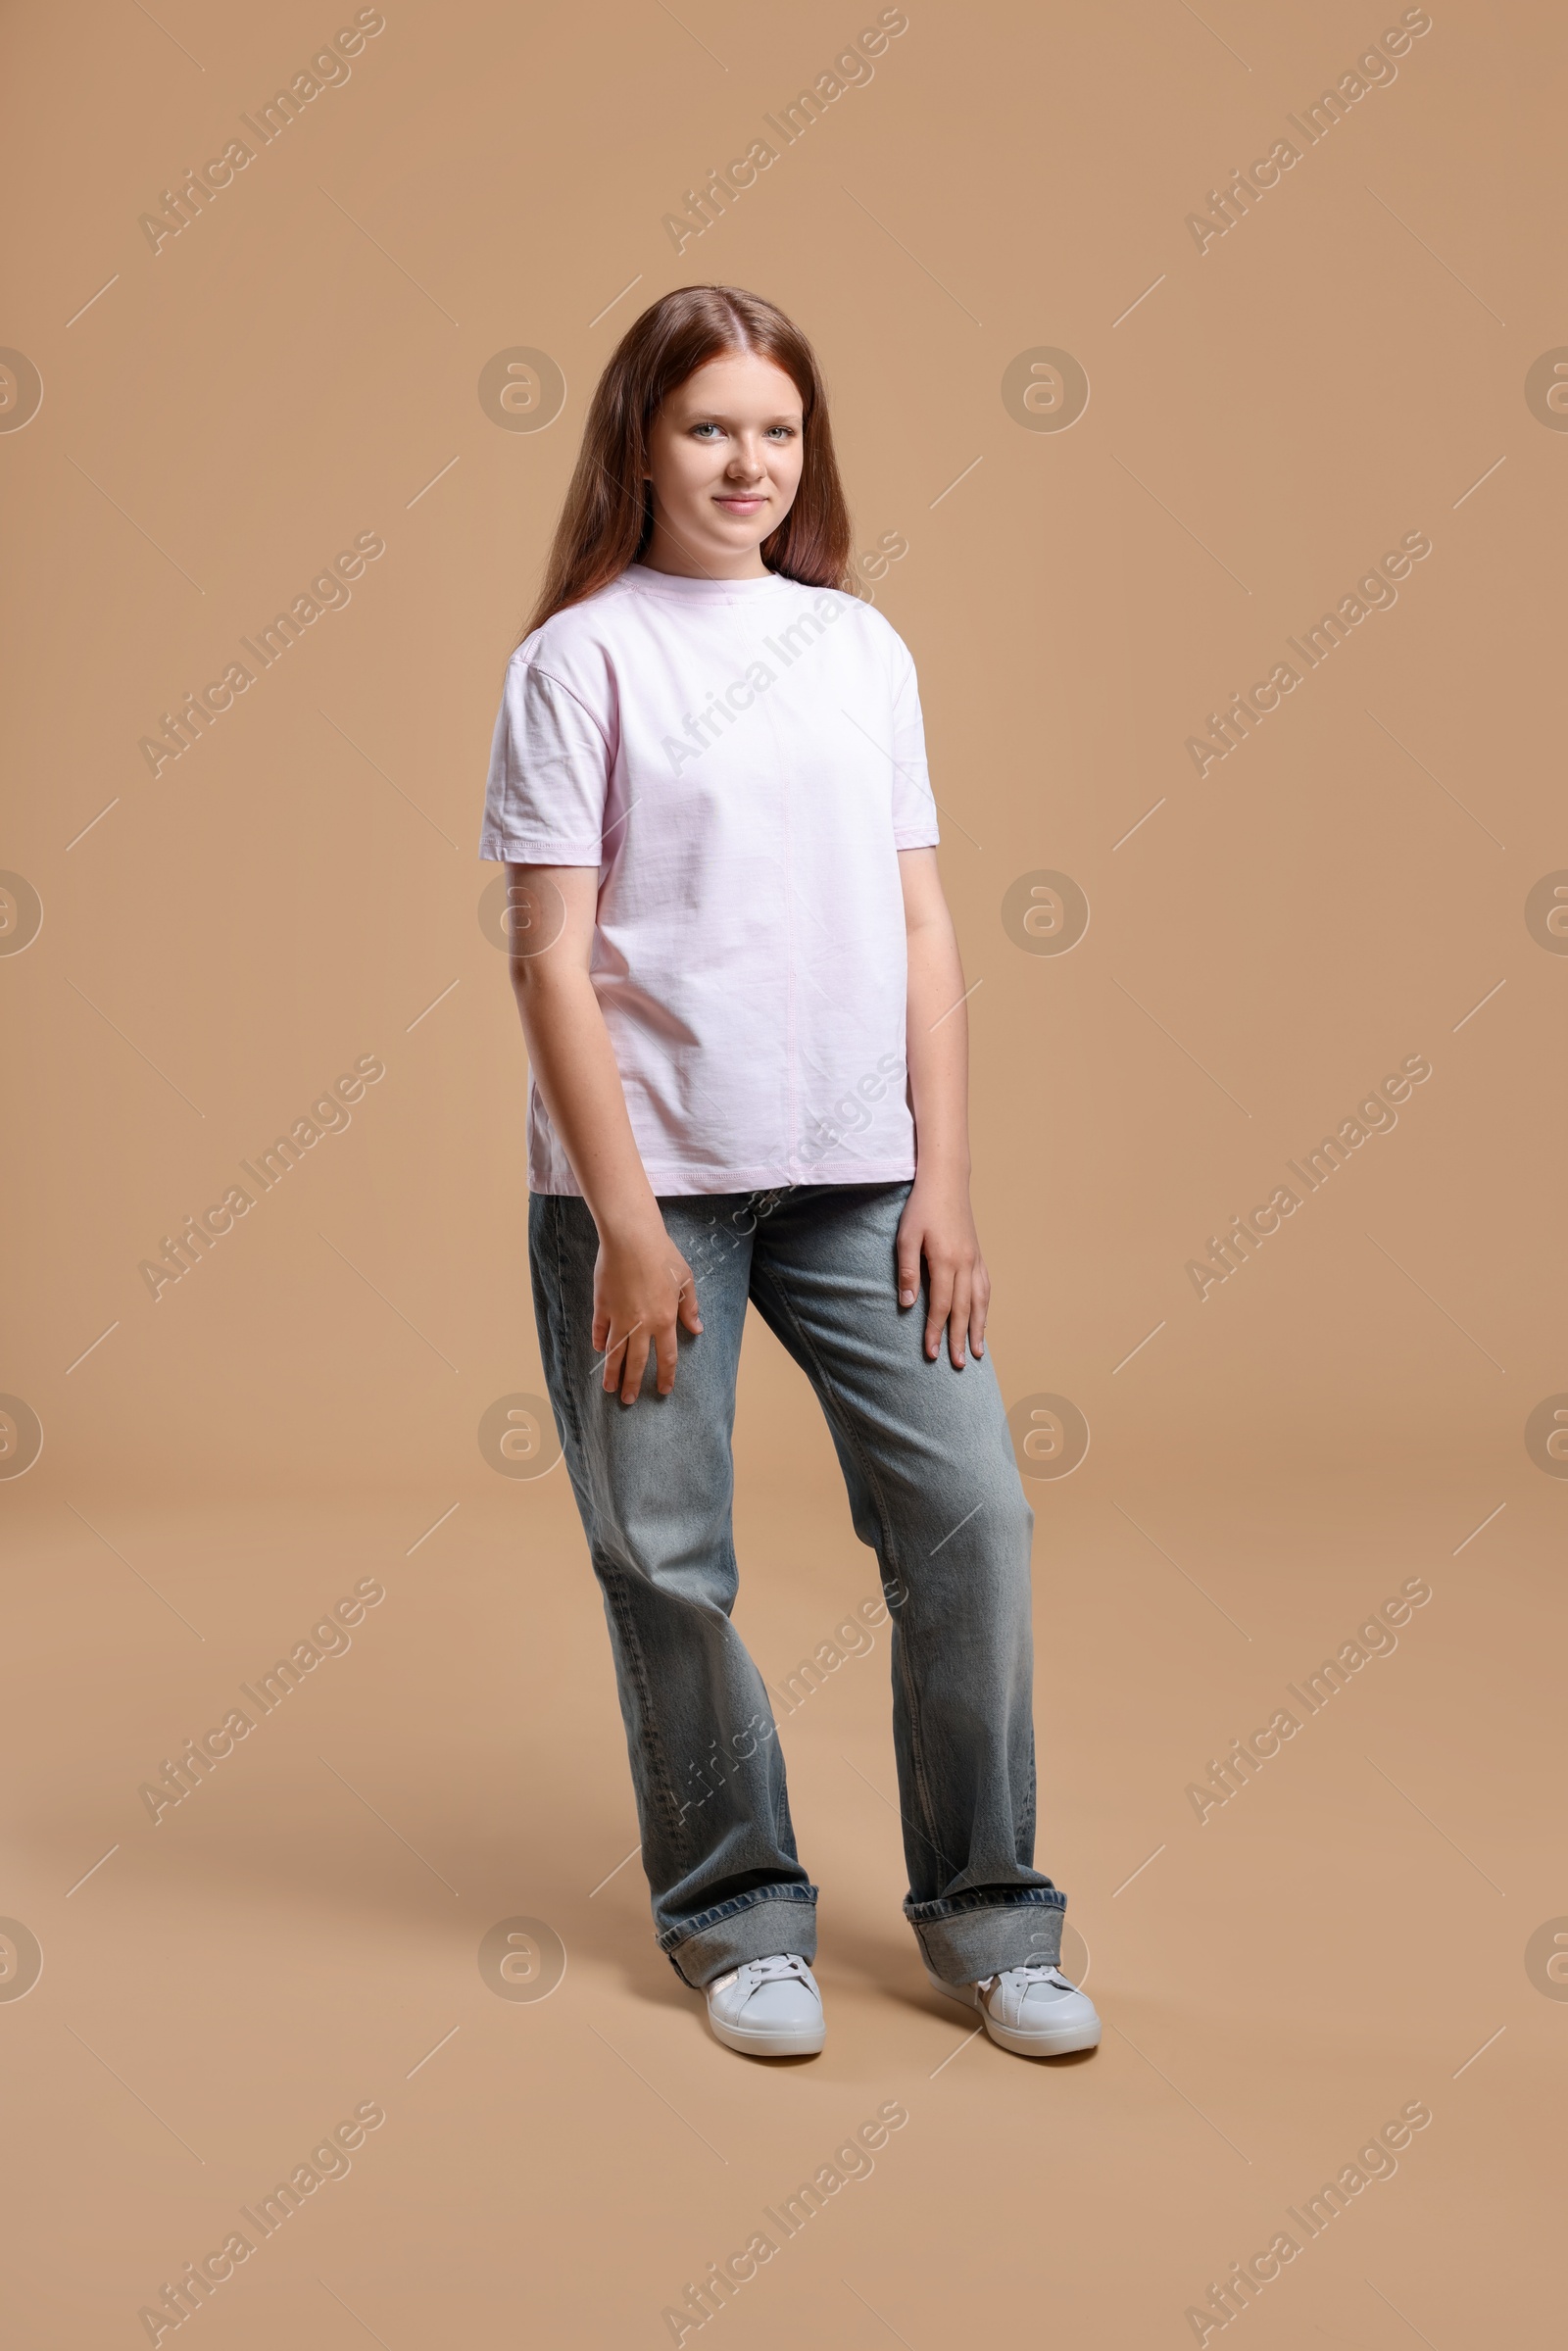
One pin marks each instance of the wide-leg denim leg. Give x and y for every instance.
(653, 1484)
(934, 1488)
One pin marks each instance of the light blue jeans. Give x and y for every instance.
(933, 1490)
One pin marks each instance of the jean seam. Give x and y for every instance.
(828, 1393)
(959, 1907)
(558, 1312)
(804, 1895)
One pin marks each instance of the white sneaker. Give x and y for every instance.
(1033, 2011)
(768, 2008)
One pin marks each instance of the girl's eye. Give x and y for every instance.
(783, 432)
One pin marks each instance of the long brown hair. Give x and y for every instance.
(607, 517)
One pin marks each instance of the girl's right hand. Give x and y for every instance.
(643, 1291)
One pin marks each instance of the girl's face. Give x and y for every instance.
(724, 459)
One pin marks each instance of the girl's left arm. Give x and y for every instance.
(938, 1223)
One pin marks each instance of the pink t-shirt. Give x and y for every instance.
(742, 760)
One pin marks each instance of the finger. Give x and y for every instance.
(601, 1331)
(636, 1364)
(909, 1266)
(615, 1343)
(664, 1354)
(688, 1311)
(937, 1314)
(958, 1319)
(979, 1307)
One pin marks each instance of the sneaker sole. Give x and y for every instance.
(807, 2043)
(1065, 2043)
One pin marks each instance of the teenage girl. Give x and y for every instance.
(745, 1020)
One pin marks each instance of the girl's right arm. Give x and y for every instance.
(642, 1287)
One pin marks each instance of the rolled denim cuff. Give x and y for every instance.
(756, 1926)
(981, 1935)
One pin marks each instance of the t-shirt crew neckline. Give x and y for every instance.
(679, 587)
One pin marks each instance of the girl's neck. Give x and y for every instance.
(666, 553)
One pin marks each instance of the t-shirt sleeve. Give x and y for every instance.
(549, 775)
(915, 811)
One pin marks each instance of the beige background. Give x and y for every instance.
(1266, 418)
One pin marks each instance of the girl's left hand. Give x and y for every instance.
(937, 1224)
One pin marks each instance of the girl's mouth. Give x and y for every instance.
(740, 503)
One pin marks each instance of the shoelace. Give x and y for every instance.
(776, 1969)
(1025, 1975)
